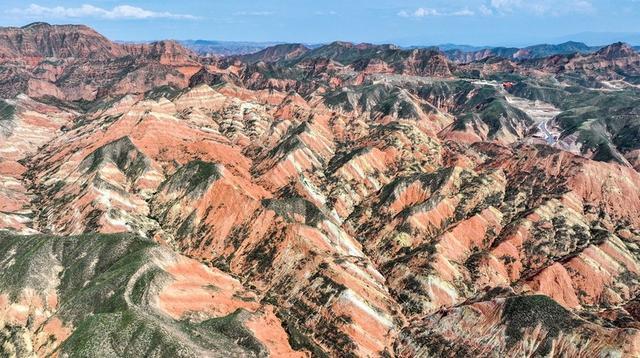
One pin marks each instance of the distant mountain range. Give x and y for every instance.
(226, 48)
(601, 38)
(231, 48)
(466, 54)
(455, 52)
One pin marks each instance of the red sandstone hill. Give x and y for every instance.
(353, 200)
(38, 41)
(75, 62)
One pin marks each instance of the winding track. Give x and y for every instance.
(542, 113)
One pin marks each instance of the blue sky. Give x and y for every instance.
(406, 22)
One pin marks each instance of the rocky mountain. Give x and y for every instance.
(252, 51)
(466, 55)
(349, 200)
(276, 53)
(37, 41)
(74, 62)
(346, 56)
(225, 48)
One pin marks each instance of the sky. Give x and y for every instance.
(404, 22)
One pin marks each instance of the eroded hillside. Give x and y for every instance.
(351, 200)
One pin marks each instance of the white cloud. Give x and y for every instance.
(83, 11)
(254, 13)
(419, 12)
(543, 7)
(503, 7)
(326, 13)
(484, 10)
(422, 12)
(425, 12)
(463, 12)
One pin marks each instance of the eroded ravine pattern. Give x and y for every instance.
(381, 207)
(542, 113)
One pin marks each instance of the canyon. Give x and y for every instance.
(350, 200)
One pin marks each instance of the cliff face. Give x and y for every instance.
(37, 41)
(339, 206)
(342, 227)
(73, 62)
(122, 295)
(520, 54)
(276, 53)
(166, 52)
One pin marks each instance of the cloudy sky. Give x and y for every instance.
(420, 22)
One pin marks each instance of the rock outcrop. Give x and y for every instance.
(350, 200)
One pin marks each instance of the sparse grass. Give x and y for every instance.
(95, 271)
(167, 91)
(526, 312)
(7, 111)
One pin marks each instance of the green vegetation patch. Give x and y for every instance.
(526, 312)
(104, 283)
(123, 153)
(167, 91)
(289, 208)
(122, 334)
(193, 177)
(7, 111)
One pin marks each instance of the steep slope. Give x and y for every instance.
(529, 326)
(73, 62)
(115, 295)
(276, 53)
(525, 53)
(37, 41)
(421, 62)
(25, 126)
(354, 200)
(359, 230)
(209, 48)
(615, 61)
(599, 123)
